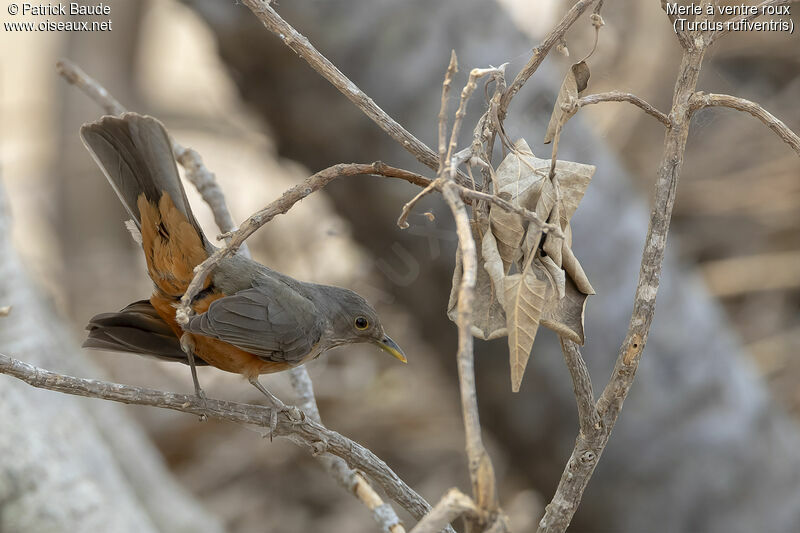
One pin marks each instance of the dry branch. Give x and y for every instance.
(480, 465)
(291, 422)
(452, 505)
(683, 36)
(700, 100)
(617, 96)
(588, 417)
(303, 48)
(555, 36)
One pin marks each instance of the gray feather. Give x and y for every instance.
(136, 329)
(135, 154)
(272, 321)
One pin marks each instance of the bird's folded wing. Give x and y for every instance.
(273, 322)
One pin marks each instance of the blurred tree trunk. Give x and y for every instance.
(72, 464)
(699, 447)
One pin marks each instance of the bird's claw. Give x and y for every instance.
(296, 416)
(203, 401)
(273, 422)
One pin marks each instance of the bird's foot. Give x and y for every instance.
(295, 414)
(203, 401)
(273, 422)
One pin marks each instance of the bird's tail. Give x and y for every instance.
(135, 154)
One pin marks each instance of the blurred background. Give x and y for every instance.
(708, 439)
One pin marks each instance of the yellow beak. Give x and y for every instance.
(391, 347)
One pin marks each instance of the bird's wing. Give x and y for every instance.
(273, 322)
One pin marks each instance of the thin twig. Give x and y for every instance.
(480, 464)
(582, 386)
(77, 77)
(303, 48)
(474, 75)
(291, 423)
(700, 100)
(280, 206)
(452, 505)
(618, 96)
(683, 36)
(444, 156)
(540, 52)
(452, 68)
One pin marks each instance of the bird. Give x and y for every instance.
(248, 319)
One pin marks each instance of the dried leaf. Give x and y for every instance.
(573, 268)
(524, 177)
(573, 179)
(574, 83)
(493, 264)
(565, 316)
(488, 318)
(557, 276)
(525, 297)
(509, 231)
(520, 176)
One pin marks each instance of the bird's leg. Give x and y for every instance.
(276, 404)
(187, 345)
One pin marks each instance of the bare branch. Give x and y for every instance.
(77, 77)
(206, 184)
(452, 505)
(683, 36)
(452, 68)
(540, 52)
(291, 423)
(303, 48)
(617, 96)
(474, 75)
(700, 100)
(480, 465)
(280, 206)
(582, 386)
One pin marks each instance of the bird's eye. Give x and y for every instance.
(361, 323)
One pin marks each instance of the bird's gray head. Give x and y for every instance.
(352, 319)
